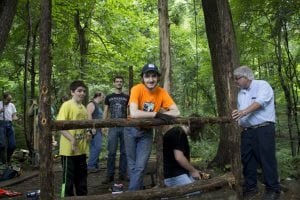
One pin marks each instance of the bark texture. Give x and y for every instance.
(158, 193)
(144, 123)
(7, 13)
(46, 163)
(224, 56)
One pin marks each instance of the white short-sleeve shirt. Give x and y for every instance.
(9, 110)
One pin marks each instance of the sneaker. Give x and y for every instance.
(117, 188)
(247, 192)
(108, 180)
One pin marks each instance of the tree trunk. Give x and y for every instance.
(164, 39)
(222, 44)
(7, 13)
(284, 84)
(31, 120)
(83, 47)
(130, 78)
(46, 163)
(32, 69)
(26, 122)
(165, 65)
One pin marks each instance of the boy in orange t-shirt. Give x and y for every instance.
(146, 101)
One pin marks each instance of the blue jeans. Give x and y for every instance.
(182, 179)
(95, 149)
(138, 143)
(7, 140)
(115, 134)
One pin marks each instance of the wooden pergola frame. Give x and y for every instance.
(160, 191)
(46, 125)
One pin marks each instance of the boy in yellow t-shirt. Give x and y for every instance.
(73, 143)
(147, 99)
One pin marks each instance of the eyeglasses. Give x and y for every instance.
(238, 78)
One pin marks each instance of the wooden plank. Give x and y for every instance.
(145, 122)
(158, 193)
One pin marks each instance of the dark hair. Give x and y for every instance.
(97, 94)
(64, 98)
(118, 77)
(76, 84)
(195, 129)
(5, 95)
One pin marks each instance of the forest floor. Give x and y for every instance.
(29, 181)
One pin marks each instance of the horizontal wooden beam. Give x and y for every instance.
(145, 122)
(158, 193)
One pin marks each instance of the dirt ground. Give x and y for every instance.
(29, 181)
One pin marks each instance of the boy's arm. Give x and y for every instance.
(136, 113)
(183, 162)
(105, 112)
(173, 111)
(14, 116)
(70, 137)
(90, 109)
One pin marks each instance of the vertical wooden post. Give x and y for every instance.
(159, 157)
(46, 163)
(130, 79)
(165, 66)
(224, 56)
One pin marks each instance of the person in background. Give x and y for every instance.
(95, 112)
(8, 113)
(33, 118)
(147, 99)
(255, 113)
(64, 98)
(33, 112)
(73, 143)
(176, 150)
(115, 106)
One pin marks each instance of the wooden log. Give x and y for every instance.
(146, 122)
(158, 193)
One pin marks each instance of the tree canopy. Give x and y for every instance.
(95, 40)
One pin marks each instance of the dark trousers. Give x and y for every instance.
(74, 175)
(258, 149)
(7, 141)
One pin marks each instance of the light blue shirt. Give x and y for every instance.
(262, 93)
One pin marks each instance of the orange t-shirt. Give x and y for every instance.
(151, 101)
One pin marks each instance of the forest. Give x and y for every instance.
(94, 40)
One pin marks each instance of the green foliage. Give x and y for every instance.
(203, 150)
(288, 166)
(125, 33)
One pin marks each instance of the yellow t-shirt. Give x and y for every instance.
(72, 111)
(150, 101)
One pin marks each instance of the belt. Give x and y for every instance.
(2, 122)
(258, 125)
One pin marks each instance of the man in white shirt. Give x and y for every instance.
(8, 113)
(255, 113)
